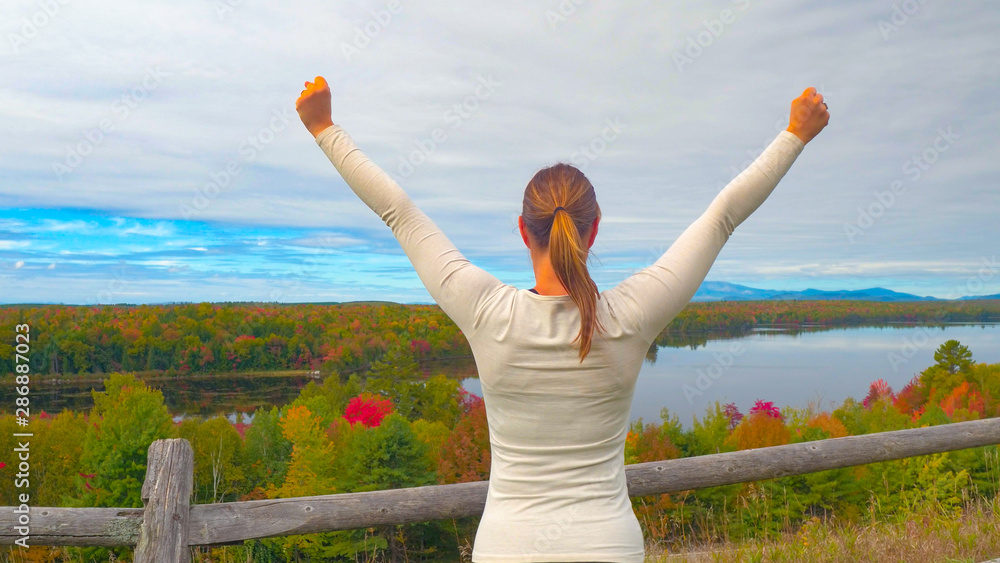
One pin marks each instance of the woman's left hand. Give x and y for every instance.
(313, 106)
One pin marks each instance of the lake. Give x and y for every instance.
(786, 366)
(824, 367)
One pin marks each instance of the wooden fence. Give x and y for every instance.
(163, 530)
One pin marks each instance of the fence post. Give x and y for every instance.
(166, 494)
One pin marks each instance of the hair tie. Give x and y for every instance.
(557, 209)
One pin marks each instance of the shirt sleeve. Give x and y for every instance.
(656, 294)
(457, 286)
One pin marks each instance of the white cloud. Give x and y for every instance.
(160, 229)
(862, 269)
(688, 131)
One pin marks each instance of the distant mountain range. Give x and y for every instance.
(725, 291)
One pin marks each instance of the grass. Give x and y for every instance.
(970, 535)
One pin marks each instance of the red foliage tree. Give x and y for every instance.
(877, 390)
(368, 409)
(733, 414)
(911, 398)
(766, 407)
(420, 347)
(468, 401)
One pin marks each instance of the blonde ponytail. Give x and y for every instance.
(563, 185)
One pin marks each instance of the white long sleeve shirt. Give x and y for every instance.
(557, 427)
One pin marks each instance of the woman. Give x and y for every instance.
(558, 363)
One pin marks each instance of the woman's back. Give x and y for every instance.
(557, 430)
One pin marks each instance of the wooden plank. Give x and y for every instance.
(78, 527)
(166, 494)
(226, 522)
(215, 524)
(233, 521)
(658, 477)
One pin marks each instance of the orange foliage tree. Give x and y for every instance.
(964, 403)
(465, 455)
(762, 428)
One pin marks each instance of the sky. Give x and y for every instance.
(150, 152)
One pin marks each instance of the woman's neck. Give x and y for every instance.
(546, 280)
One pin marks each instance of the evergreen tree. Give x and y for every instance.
(127, 417)
(266, 451)
(390, 456)
(953, 357)
(397, 376)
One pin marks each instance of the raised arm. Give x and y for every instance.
(656, 294)
(458, 286)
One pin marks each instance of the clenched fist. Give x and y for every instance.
(809, 115)
(313, 106)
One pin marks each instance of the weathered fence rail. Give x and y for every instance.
(167, 525)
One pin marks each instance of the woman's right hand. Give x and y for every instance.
(809, 115)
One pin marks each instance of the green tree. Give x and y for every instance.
(397, 376)
(329, 399)
(708, 435)
(56, 449)
(266, 450)
(953, 357)
(390, 456)
(439, 400)
(218, 450)
(8, 492)
(310, 472)
(128, 416)
(434, 434)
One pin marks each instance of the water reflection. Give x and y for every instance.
(822, 365)
(792, 366)
(201, 396)
(206, 396)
